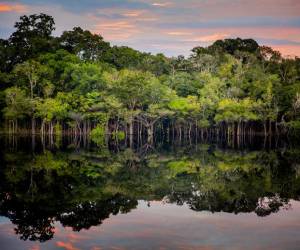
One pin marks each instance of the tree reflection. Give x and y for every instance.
(82, 188)
(83, 216)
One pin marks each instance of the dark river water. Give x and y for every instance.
(65, 195)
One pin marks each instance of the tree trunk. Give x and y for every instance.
(265, 128)
(180, 131)
(43, 128)
(276, 128)
(150, 131)
(238, 128)
(131, 131)
(32, 126)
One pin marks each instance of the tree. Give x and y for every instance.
(230, 46)
(34, 72)
(32, 37)
(60, 66)
(187, 110)
(184, 83)
(267, 108)
(50, 110)
(204, 62)
(86, 77)
(157, 108)
(236, 111)
(131, 88)
(156, 64)
(179, 63)
(18, 106)
(124, 57)
(83, 43)
(210, 95)
(5, 54)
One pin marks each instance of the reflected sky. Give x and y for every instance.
(167, 226)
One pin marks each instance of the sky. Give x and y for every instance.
(172, 27)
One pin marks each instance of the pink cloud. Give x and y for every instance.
(5, 7)
(208, 38)
(132, 14)
(162, 4)
(35, 247)
(117, 25)
(146, 29)
(73, 237)
(216, 9)
(288, 50)
(96, 248)
(178, 33)
(191, 37)
(66, 245)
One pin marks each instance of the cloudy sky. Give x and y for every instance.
(169, 26)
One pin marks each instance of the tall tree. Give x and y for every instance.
(83, 43)
(31, 38)
(33, 71)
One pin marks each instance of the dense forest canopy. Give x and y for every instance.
(78, 83)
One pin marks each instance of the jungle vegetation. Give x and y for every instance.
(77, 83)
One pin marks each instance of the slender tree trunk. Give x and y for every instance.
(238, 128)
(32, 126)
(180, 131)
(173, 131)
(150, 130)
(131, 131)
(43, 127)
(265, 128)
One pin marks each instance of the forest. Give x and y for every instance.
(79, 84)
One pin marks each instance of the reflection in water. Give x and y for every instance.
(81, 187)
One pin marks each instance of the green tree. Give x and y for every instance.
(233, 111)
(32, 37)
(212, 92)
(83, 43)
(187, 110)
(50, 110)
(34, 72)
(18, 106)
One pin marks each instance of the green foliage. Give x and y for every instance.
(50, 109)
(31, 38)
(86, 77)
(185, 106)
(231, 110)
(17, 104)
(230, 46)
(294, 126)
(120, 135)
(98, 134)
(83, 43)
(184, 84)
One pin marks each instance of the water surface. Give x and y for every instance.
(73, 196)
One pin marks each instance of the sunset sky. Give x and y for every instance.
(173, 27)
